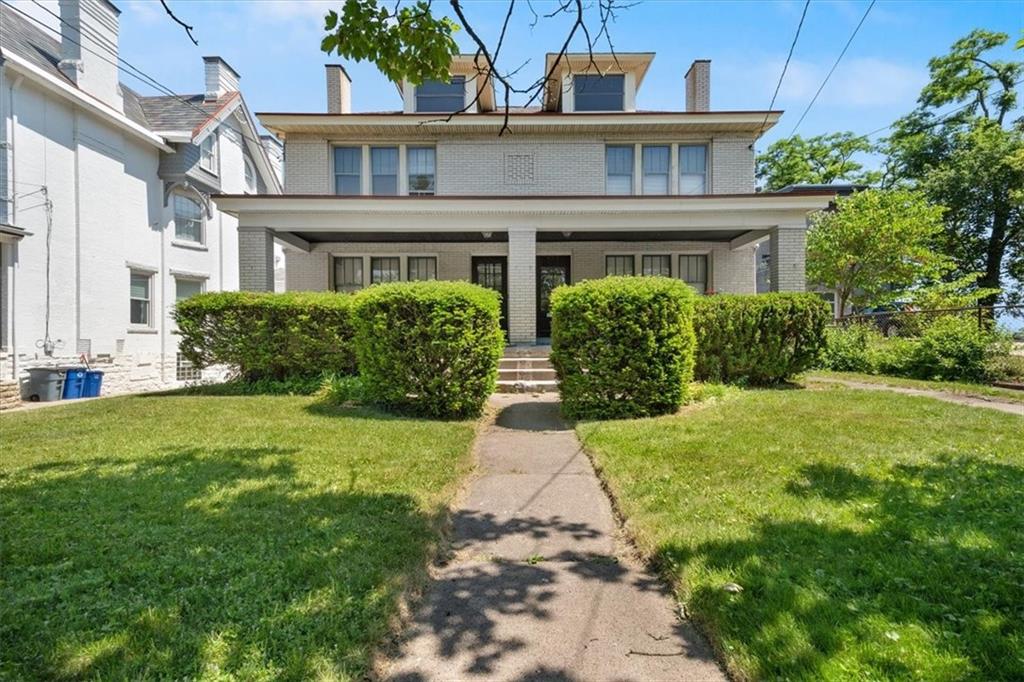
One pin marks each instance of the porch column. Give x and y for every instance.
(789, 257)
(522, 284)
(255, 259)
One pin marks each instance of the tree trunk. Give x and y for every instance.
(994, 253)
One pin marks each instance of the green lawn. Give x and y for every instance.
(178, 537)
(875, 535)
(959, 387)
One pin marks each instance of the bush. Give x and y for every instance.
(622, 346)
(341, 390)
(952, 349)
(428, 348)
(849, 348)
(758, 338)
(268, 336)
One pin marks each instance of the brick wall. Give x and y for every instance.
(788, 262)
(307, 166)
(256, 259)
(732, 166)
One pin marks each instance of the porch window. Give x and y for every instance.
(438, 97)
(656, 266)
(693, 169)
(348, 165)
(385, 269)
(422, 268)
(599, 93)
(139, 298)
(420, 161)
(619, 265)
(694, 271)
(384, 170)
(348, 273)
(188, 219)
(187, 288)
(618, 161)
(208, 160)
(656, 169)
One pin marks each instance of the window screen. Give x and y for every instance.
(422, 268)
(618, 265)
(657, 266)
(656, 169)
(420, 161)
(348, 273)
(694, 271)
(693, 169)
(441, 97)
(348, 165)
(384, 167)
(385, 269)
(598, 93)
(618, 162)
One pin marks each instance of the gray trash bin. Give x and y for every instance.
(44, 384)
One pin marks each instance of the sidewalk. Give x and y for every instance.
(539, 586)
(947, 396)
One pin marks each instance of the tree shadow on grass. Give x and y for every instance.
(927, 582)
(196, 563)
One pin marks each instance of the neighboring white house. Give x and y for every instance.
(105, 211)
(583, 186)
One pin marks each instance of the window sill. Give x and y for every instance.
(143, 330)
(194, 246)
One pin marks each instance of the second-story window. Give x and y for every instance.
(439, 97)
(693, 169)
(188, 219)
(599, 93)
(619, 169)
(384, 170)
(421, 170)
(348, 163)
(208, 154)
(656, 169)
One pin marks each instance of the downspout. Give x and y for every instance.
(163, 301)
(78, 237)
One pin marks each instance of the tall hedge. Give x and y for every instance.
(622, 346)
(267, 335)
(428, 348)
(758, 338)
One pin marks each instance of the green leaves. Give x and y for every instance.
(405, 43)
(818, 160)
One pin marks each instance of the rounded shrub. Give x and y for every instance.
(622, 346)
(758, 338)
(428, 348)
(953, 349)
(268, 336)
(849, 348)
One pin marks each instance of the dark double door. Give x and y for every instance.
(552, 271)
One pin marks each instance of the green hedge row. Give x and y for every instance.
(622, 346)
(268, 336)
(758, 339)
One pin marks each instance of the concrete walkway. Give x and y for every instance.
(947, 396)
(539, 586)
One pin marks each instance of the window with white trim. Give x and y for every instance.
(421, 268)
(188, 219)
(599, 93)
(421, 169)
(348, 273)
(656, 266)
(185, 287)
(656, 162)
(208, 156)
(348, 169)
(693, 169)
(384, 170)
(385, 269)
(694, 271)
(618, 161)
(438, 97)
(140, 302)
(619, 265)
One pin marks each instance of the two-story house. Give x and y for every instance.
(584, 186)
(105, 211)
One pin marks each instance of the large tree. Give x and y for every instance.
(970, 160)
(875, 247)
(819, 160)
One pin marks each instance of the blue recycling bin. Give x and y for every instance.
(74, 383)
(93, 383)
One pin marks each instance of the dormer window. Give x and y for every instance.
(438, 97)
(599, 93)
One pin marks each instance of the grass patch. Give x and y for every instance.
(874, 535)
(173, 537)
(958, 387)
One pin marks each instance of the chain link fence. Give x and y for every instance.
(909, 323)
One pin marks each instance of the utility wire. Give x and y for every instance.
(785, 66)
(833, 69)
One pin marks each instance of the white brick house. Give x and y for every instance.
(583, 186)
(105, 211)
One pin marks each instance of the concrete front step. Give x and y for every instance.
(505, 386)
(524, 363)
(531, 351)
(526, 375)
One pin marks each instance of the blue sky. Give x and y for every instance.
(274, 45)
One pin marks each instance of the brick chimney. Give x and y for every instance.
(88, 48)
(698, 86)
(220, 78)
(339, 90)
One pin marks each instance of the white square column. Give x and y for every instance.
(522, 284)
(789, 258)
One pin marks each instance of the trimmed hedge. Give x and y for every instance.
(268, 336)
(758, 338)
(428, 348)
(622, 346)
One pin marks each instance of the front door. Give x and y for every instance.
(490, 272)
(552, 271)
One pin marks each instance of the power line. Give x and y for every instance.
(785, 66)
(833, 69)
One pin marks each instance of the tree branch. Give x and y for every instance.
(188, 29)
